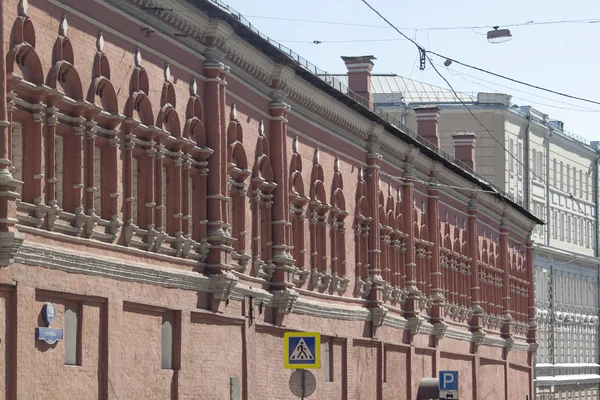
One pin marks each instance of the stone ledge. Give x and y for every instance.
(79, 263)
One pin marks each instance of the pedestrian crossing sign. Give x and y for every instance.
(301, 350)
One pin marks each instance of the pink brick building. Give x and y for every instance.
(183, 193)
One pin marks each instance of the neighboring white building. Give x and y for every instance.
(561, 188)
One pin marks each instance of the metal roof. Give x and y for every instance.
(392, 88)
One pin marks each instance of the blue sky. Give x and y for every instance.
(562, 57)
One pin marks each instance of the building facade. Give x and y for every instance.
(177, 192)
(554, 174)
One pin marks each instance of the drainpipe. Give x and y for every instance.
(549, 222)
(595, 193)
(596, 200)
(526, 172)
(403, 118)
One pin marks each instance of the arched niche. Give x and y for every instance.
(138, 107)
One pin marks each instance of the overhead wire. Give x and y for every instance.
(452, 71)
(340, 41)
(512, 79)
(426, 53)
(440, 28)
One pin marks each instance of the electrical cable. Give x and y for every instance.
(512, 79)
(463, 74)
(465, 105)
(339, 41)
(426, 52)
(441, 28)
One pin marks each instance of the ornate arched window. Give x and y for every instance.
(320, 277)
(140, 163)
(298, 201)
(64, 132)
(262, 199)
(339, 280)
(399, 249)
(362, 222)
(25, 78)
(169, 166)
(238, 172)
(101, 143)
(194, 174)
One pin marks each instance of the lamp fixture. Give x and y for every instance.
(499, 35)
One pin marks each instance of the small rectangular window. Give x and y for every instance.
(167, 341)
(328, 359)
(72, 340)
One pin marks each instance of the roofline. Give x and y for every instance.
(271, 51)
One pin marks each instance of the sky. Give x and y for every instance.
(562, 57)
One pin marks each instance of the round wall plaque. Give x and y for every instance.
(48, 313)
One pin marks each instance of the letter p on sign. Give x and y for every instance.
(448, 380)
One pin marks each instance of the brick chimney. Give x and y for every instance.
(427, 123)
(359, 76)
(464, 148)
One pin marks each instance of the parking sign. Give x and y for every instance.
(448, 385)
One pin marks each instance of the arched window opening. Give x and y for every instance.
(338, 214)
(262, 195)
(298, 202)
(362, 222)
(238, 173)
(318, 208)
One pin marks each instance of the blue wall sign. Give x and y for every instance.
(448, 380)
(48, 335)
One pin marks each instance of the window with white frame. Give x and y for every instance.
(562, 176)
(511, 160)
(520, 155)
(574, 181)
(587, 187)
(562, 226)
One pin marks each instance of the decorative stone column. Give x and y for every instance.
(129, 228)
(218, 259)
(433, 214)
(159, 209)
(505, 266)
(90, 190)
(113, 206)
(378, 311)
(475, 324)
(413, 293)
(532, 331)
(282, 283)
(51, 180)
(38, 148)
(149, 194)
(10, 239)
